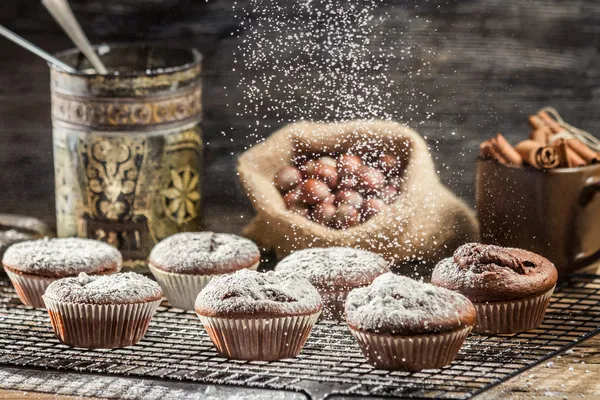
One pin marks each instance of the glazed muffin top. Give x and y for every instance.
(58, 258)
(252, 294)
(125, 288)
(492, 273)
(204, 253)
(398, 305)
(335, 267)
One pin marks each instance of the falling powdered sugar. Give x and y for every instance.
(400, 305)
(252, 294)
(125, 288)
(335, 267)
(62, 257)
(204, 253)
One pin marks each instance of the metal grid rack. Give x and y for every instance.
(176, 347)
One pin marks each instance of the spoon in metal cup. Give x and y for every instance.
(27, 45)
(62, 13)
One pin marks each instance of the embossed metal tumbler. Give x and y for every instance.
(128, 153)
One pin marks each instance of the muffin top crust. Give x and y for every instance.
(335, 267)
(57, 258)
(395, 304)
(205, 253)
(125, 288)
(487, 273)
(254, 294)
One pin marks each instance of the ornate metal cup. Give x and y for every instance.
(128, 153)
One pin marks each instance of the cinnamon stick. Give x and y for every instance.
(568, 157)
(536, 122)
(583, 151)
(506, 150)
(561, 149)
(538, 156)
(487, 150)
(540, 135)
(550, 122)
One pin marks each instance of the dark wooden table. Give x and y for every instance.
(491, 63)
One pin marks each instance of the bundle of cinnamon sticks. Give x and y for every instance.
(549, 146)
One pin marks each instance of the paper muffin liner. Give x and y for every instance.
(264, 339)
(512, 316)
(103, 326)
(29, 288)
(181, 290)
(410, 352)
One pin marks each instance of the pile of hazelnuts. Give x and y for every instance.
(340, 191)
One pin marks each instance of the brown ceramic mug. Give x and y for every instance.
(555, 213)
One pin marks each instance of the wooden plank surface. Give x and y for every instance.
(492, 63)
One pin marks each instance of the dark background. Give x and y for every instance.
(493, 63)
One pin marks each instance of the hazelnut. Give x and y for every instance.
(370, 179)
(324, 213)
(293, 197)
(348, 182)
(328, 174)
(350, 197)
(349, 164)
(346, 216)
(287, 178)
(323, 172)
(314, 191)
(388, 163)
(326, 160)
(329, 200)
(308, 168)
(372, 206)
(388, 194)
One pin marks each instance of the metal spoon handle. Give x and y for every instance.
(34, 49)
(62, 13)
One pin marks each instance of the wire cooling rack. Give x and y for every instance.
(177, 348)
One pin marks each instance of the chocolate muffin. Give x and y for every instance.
(102, 311)
(402, 324)
(509, 287)
(32, 265)
(184, 263)
(250, 315)
(334, 272)
(19, 228)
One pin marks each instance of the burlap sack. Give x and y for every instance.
(426, 222)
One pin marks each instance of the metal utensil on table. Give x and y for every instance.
(27, 45)
(62, 13)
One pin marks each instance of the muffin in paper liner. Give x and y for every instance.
(517, 297)
(410, 352)
(29, 288)
(103, 326)
(264, 339)
(334, 272)
(181, 290)
(334, 302)
(512, 316)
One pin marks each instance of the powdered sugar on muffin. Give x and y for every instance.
(254, 294)
(62, 257)
(125, 288)
(400, 305)
(487, 273)
(204, 253)
(335, 267)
